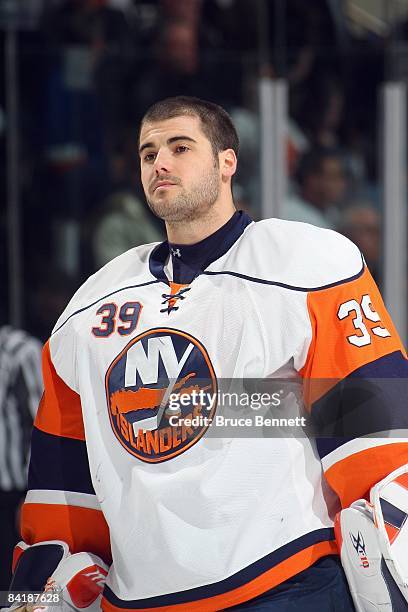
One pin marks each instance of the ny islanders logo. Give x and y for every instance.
(153, 368)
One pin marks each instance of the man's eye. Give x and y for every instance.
(181, 148)
(149, 157)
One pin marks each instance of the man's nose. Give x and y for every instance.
(162, 163)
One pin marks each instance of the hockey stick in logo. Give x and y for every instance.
(148, 425)
(172, 382)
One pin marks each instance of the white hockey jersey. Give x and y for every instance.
(190, 521)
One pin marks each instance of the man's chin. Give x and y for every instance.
(176, 216)
(168, 214)
(169, 211)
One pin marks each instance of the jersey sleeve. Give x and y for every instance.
(355, 386)
(61, 503)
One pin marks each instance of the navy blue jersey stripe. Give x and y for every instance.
(223, 586)
(393, 365)
(372, 399)
(263, 281)
(392, 515)
(58, 463)
(103, 297)
(325, 446)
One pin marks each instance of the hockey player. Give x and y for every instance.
(178, 520)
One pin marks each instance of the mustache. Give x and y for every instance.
(160, 179)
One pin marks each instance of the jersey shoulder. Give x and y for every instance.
(291, 253)
(128, 269)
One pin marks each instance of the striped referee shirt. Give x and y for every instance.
(20, 392)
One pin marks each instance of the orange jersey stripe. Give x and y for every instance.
(60, 411)
(353, 477)
(403, 480)
(278, 574)
(83, 529)
(332, 355)
(392, 532)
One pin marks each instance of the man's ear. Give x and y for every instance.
(228, 163)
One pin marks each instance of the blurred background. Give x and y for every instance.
(317, 91)
(316, 88)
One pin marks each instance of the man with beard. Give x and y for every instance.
(124, 466)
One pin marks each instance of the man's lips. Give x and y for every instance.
(163, 184)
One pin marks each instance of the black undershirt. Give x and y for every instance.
(189, 260)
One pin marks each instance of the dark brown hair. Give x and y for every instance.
(215, 121)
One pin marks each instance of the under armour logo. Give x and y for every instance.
(176, 252)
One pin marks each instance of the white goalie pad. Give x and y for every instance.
(373, 543)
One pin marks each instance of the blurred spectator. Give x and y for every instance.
(124, 222)
(321, 183)
(180, 43)
(20, 393)
(89, 45)
(175, 69)
(361, 222)
(81, 112)
(188, 11)
(95, 23)
(320, 110)
(297, 144)
(187, 60)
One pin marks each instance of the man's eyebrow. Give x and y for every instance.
(175, 138)
(147, 145)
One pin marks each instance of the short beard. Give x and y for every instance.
(192, 205)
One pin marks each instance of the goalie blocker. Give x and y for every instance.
(49, 566)
(373, 543)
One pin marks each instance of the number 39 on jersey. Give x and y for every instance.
(362, 314)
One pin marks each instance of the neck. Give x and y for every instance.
(192, 231)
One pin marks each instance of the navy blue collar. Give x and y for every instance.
(190, 260)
